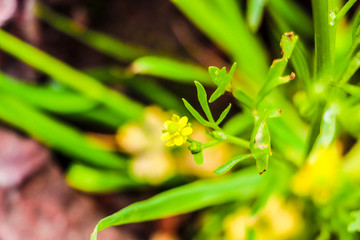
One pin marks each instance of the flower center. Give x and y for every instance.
(173, 128)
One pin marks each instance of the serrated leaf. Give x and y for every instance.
(231, 163)
(355, 225)
(202, 96)
(221, 79)
(195, 114)
(244, 98)
(223, 114)
(278, 66)
(287, 44)
(199, 158)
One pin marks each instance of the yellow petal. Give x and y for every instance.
(175, 118)
(167, 123)
(170, 143)
(179, 140)
(166, 136)
(182, 122)
(186, 131)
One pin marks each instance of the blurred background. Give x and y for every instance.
(82, 113)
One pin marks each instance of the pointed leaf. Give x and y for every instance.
(202, 96)
(187, 198)
(231, 163)
(254, 13)
(223, 114)
(195, 114)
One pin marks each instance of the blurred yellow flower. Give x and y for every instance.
(320, 176)
(278, 220)
(176, 131)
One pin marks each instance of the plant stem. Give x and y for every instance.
(324, 37)
(343, 11)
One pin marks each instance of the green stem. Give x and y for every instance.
(324, 37)
(343, 11)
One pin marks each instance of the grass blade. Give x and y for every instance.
(186, 198)
(55, 134)
(70, 77)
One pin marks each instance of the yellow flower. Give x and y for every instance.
(176, 131)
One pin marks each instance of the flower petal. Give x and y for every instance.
(186, 131)
(166, 136)
(182, 122)
(175, 118)
(170, 143)
(178, 140)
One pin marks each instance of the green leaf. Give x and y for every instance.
(351, 69)
(187, 198)
(195, 114)
(260, 143)
(356, 28)
(254, 13)
(244, 98)
(93, 180)
(352, 90)
(355, 225)
(55, 100)
(223, 114)
(287, 44)
(199, 158)
(278, 66)
(56, 134)
(231, 163)
(71, 77)
(202, 96)
(327, 126)
(221, 79)
(171, 69)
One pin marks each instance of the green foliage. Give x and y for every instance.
(185, 199)
(355, 225)
(221, 79)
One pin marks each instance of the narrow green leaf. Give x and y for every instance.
(231, 163)
(327, 127)
(195, 114)
(343, 11)
(99, 181)
(70, 77)
(352, 90)
(56, 134)
(278, 66)
(244, 98)
(356, 28)
(254, 13)
(55, 100)
(351, 69)
(187, 198)
(223, 114)
(260, 143)
(170, 69)
(199, 158)
(202, 96)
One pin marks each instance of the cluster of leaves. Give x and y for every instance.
(259, 144)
